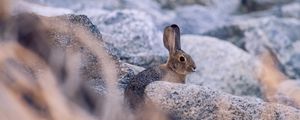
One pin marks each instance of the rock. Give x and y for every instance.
(280, 34)
(221, 65)
(186, 102)
(62, 33)
(54, 37)
(134, 34)
(83, 21)
(49, 43)
(256, 5)
(151, 7)
(228, 7)
(198, 20)
(23, 6)
(93, 8)
(99, 8)
(77, 4)
(291, 10)
(126, 73)
(90, 65)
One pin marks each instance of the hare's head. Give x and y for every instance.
(178, 61)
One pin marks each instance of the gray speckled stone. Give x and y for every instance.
(221, 65)
(218, 5)
(78, 4)
(285, 10)
(280, 34)
(256, 5)
(134, 34)
(291, 10)
(126, 73)
(186, 102)
(196, 19)
(90, 68)
(21, 6)
(89, 65)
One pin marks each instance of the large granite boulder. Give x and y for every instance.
(218, 5)
(257, 5)
(134, 34)
(21, 6)
(196, 19)
(221, 65)
(279, 34)
(192, 102)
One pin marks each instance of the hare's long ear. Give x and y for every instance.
(177, 36)
(172, 38)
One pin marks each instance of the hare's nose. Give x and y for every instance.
(194, 69)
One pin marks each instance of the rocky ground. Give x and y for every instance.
(223, 37)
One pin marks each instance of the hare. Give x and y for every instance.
(179, 65)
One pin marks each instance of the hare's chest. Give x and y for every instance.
(171, 76)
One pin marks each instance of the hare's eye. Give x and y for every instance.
(182, 59)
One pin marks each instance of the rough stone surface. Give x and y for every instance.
(77, 4)
(61, 41)
(198, 20)
(280, 34)
(226, 7)
(257, 5)
(291, 10)
(221, 65)
(21, 6)
(186, 102)
(286, 10)
(95, 8)
(90, 68)
(126, 73)
(135, 35)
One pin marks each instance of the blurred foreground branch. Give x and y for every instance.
(276, 86)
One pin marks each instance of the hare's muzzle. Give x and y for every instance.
(193, 69)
